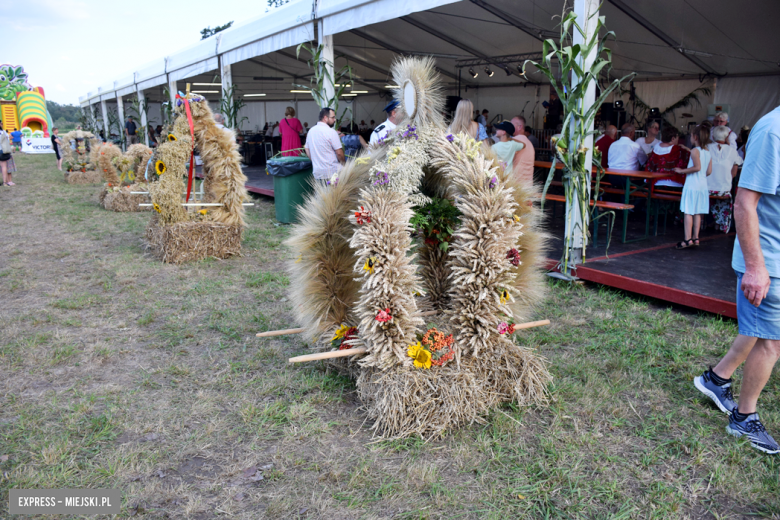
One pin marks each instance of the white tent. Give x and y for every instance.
(675, 47)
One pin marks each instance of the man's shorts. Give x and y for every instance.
(762, 321)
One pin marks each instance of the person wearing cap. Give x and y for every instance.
(388, 126)
(507, 146)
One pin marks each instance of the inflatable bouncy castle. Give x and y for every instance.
(21, 105)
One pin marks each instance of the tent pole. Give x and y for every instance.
(144, 122)
(328, 57)
(104, 112)
(587, 16)
(120, 109)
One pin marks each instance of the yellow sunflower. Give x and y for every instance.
(203, 211)
(414, 349)
(340, 332)
(171, 137)
(504, 295)
(422, 359)
(156, 208)
(516, 218)
(370, 264)
(160, 167)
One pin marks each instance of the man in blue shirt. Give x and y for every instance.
(130, 131)
(16, 140)
(756, 260)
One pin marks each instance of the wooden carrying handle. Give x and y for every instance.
(329, 355)
(356, 351)
(279, 332)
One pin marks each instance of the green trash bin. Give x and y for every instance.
(292, 182)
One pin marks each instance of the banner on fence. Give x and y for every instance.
(36, 145)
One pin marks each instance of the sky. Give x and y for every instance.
(71, 47)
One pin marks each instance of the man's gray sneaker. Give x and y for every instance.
(720, 395)
(752, 428)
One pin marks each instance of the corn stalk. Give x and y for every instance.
(578, 121)
(230, 106)
(322, 78)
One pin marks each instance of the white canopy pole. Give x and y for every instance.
(144, 122)
(120, 108)
(104, 111)
(226, 73)
(587, 18)
(328, 56)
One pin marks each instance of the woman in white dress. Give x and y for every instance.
(648, 142)
(725, 163)
(695, 200)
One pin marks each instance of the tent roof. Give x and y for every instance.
(665, 39)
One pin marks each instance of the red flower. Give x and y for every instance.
(383, 316)
(513, 255)
(363, 216)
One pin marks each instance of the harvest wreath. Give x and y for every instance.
(428, 224)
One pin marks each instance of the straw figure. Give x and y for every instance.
(80, 163)
(177, 234)
(131, 166)
(426, 224)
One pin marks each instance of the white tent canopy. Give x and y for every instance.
(674, 47)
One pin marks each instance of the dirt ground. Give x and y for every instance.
(117, 371)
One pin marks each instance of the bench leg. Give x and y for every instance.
(596, 228)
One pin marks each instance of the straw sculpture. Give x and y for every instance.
(176, 234)
(108, 152)
(363, 275)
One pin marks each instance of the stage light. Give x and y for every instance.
(488, 72)
(619, 104)
(254, 95)
(473, 74)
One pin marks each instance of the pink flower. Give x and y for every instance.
(503, 328)
(383, 316)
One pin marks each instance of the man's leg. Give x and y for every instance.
(758, 368)
(736, 355)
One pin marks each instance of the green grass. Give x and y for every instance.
(115, 369)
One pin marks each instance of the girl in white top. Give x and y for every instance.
(725, 163)
(648, 142)
(695, 200)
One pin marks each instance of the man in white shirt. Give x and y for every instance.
(722, 119)
(625, 154)
(323, 147)
(383, 130)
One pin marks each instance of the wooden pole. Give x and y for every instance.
(532, 324)
(279, 332)
(328, 355)
(356, 351)
(209, 204)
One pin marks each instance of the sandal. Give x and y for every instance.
(10, 184)
(695, 242)
(685, 244)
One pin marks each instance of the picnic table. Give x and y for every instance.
(635, 187)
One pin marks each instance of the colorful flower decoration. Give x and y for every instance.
(172, 138)
(395, 152)
(504, 296)
(516, 218)
(383, 316)
(493, 182)
(411, 131)
(334, 179)
(342, 336)
(414, 349)
(298, 260)
(450, 137)
(203, 211)
(422, 359)
(506, 328)
(381, 179)
(160, 167)
(156, 207)
(513, 255)
(363, 216)
(370, 264)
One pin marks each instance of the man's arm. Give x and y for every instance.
(755, 281)
(308, 154)
(340, 155)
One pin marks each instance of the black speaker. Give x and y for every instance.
(452, 103)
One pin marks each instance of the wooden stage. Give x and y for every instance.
(699, 277)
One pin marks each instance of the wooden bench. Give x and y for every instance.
(599, 204)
